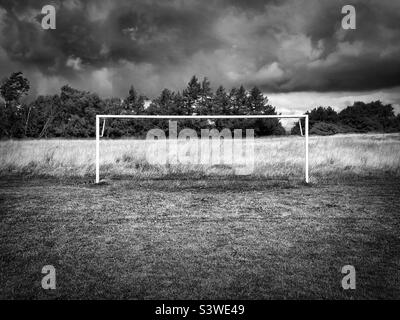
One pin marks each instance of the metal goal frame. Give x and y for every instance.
(103, 116)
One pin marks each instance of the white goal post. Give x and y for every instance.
(98, 117)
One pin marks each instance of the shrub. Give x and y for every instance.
(325, 129)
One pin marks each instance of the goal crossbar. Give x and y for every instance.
(107, 116)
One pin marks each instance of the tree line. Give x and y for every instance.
(71, 113)
(359, 118)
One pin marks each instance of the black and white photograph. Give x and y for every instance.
(212, 153)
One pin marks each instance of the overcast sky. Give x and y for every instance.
(296, 50)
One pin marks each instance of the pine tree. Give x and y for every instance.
(256, 102)
(221, 106)
(239, 101)
(221, 102)
(134, 103)
(191, 95)
(205, 101)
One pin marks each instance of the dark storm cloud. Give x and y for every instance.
(135, 31)
(281, 46)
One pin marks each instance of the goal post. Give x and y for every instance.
(193, 117)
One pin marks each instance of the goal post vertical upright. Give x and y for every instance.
(306, 165)
(97, 148)
(98, 117)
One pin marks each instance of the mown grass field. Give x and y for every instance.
(164, 234)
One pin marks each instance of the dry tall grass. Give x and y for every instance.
(280, 157)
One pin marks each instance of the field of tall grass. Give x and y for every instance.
(275, 157)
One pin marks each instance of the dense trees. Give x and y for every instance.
(373, 116)
(360, 117)
(71, 113)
